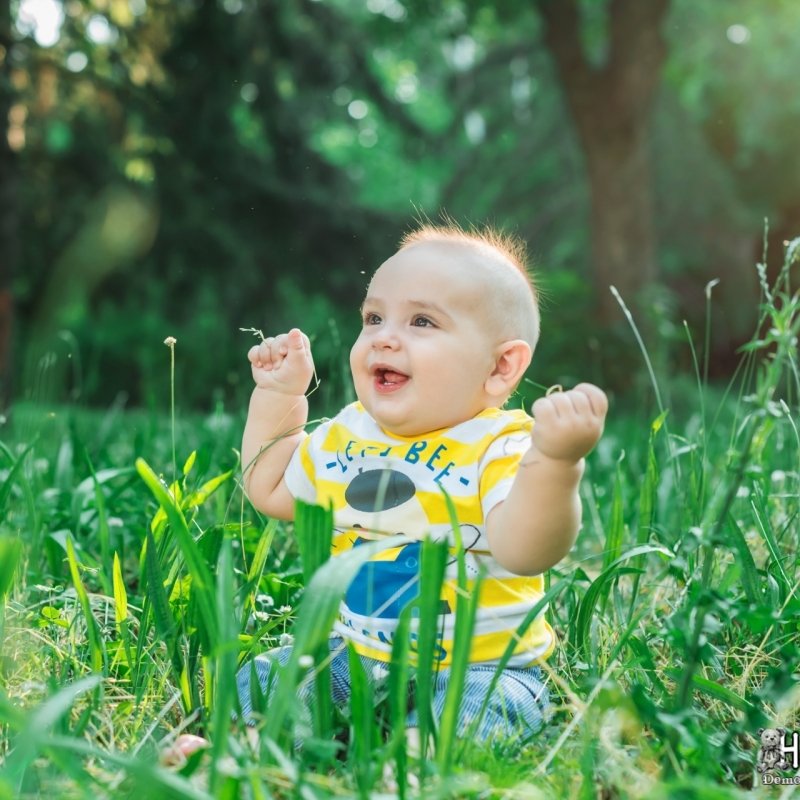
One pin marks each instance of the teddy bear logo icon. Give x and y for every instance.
(771, 756)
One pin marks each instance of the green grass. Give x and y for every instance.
(133, 589)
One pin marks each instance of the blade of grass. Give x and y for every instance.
(121, 610)
(164, 620)
(466, 610)
(616, 523)
(425, 640)
(225, 658)
(647, 503)
(579, 631)
(362, 725)
(202, 583)
(650, 371)
(314, 530)
(615, 530)
(763, 522)
(723, 693)
(95, 640)
(256, 569)
(399, 670)
(16, 467)
(10, 556)
(751, 582)
(199, 496)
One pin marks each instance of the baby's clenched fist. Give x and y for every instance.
(569, 424)
(283, 363)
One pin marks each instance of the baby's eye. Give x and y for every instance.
(371, 319)
(421, 321)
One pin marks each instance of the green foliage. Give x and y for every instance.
(676, 614)
(210, 166)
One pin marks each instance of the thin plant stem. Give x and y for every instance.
(170, 341)
(650, 371)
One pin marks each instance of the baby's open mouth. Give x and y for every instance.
(389, 377)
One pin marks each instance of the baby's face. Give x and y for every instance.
(424, 353)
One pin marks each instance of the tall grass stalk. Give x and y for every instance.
(171, 342)
(314, 531)
(642, 348)
(224, 699)
(466, 610)
(10, 557)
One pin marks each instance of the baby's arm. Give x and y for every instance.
(534, 528)
(282, 369)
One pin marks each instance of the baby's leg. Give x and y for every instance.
(261, 667)
(516, 707)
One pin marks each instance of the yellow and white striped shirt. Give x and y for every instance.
(381, 484)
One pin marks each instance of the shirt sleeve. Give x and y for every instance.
(500, 462)
(300, 475)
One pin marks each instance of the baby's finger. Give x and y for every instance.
(596, 396)
(254, 356)
(269, 350)
(561, 404)
(264, 359)
(281, 344)
(580, 403)
(297, 340)
(544, 409)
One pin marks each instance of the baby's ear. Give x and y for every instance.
(511, 360)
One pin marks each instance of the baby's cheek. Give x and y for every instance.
(356, 355)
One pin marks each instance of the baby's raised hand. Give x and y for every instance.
(569, 424)
(283, 363)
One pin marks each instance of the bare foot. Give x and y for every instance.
(177, 754)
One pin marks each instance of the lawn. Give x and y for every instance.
(136, 578)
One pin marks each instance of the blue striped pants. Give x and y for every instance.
(516, 708)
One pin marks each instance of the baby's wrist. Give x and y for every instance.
(566, 464)
(275, 391)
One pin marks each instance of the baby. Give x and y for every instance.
(449, 325)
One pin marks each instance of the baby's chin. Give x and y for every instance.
(411, 426)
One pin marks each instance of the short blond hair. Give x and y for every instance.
(512, 298)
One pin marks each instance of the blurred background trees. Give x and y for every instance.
(191, 168)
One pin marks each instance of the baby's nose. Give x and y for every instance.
(386, 338)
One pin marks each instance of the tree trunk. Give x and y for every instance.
(9, 242)
(610, 105)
